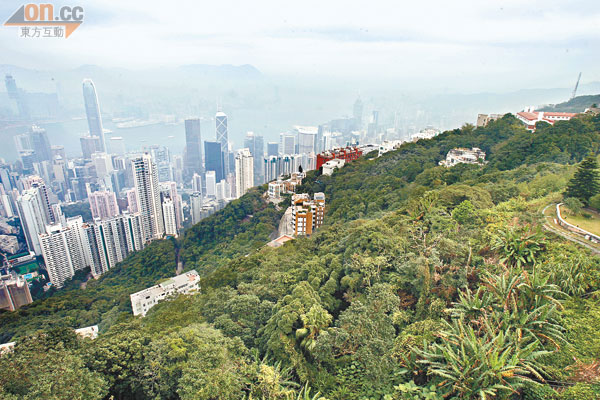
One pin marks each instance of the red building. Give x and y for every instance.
(345, 153)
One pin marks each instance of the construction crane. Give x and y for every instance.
(576, 86)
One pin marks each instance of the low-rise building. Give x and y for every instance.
(14, 292)
(530, 117)
(9, 244)
(389, 145)
(88, 332)
(6, 228)
(464, 156)
(347, 154)
(293, 181)
(276, 188)
(7, 347)
(592, 110)
(484, 119)
(280, 241)
(307, 214)
(331, 165)
(279, 187)
(369, 147)
(427, 133)
(144, 300)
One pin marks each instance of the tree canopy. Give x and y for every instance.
(424, 282)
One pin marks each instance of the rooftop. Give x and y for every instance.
(176, 280)
(280, 241)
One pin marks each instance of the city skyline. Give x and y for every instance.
(495, 37)
(303, 200)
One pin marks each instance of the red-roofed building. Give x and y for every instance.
(345, 153)
(530, 118)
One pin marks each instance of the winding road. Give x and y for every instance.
(549, 227)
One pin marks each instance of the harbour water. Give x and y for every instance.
(67, 133)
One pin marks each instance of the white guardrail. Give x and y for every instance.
(587, 235)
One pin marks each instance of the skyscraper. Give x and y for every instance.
(7, 203)
(169, 189)
(193, 148)
(357, 112)
(307, 139)
(211, 183)
(255, 143)
(147, 190)
(17, 95)
(22, 142)
(197, 183)
(64, 251)
(102, 203)
(111, 240)
(55, 249)
(272, 168)
(103, 164)
(132, 205)
(223, 139)
(162, 159)
(33, 218)
(38, 184)
(272, 149)
(40, 143)
(244, 172)
(168, 209)
(92, 111)
(196, 206)
(36, 141)
(90, 145)
(28, 158)
(213, 159)
(287, 143)
(117, 145)
(58, 151)
(373, 126)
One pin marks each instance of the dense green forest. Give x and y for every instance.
(425, 282)
(106, 300)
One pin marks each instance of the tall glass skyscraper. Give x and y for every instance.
(92, 110)
(193, 148)
(223, 139)
(213, 159)
(17, 95)
(40, 143)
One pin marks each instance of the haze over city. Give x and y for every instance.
(315, 200)
(306, 63)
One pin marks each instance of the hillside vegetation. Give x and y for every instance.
(424, 283)
(577, 104)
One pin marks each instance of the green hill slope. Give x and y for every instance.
(424, 282)
(577, 104)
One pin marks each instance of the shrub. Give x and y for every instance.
(579, 391)
(595, 202)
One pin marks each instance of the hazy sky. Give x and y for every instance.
(490, 45)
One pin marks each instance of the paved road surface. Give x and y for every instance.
(549, 227)
(284, 224)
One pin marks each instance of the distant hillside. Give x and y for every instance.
(577, 104)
